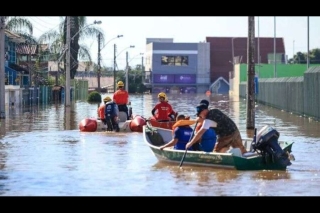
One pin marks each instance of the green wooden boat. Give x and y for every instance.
(233, 159)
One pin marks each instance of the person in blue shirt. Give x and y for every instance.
(208, 140)
(181, 136)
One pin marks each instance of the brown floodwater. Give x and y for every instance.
(43, 153)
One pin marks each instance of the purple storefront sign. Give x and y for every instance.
(185, 79)
(163, 78)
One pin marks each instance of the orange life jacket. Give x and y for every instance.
(183, 123)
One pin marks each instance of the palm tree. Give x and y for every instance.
(79, 31)
(18, 25)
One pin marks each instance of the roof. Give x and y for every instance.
(14, 37)
(26, 49)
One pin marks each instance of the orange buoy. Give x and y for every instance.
(88, 125)
(137, 123)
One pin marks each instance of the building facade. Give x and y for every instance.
(177, 67)
(225, 52)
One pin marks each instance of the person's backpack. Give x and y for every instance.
(109, 110)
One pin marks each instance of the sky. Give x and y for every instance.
(193, 29)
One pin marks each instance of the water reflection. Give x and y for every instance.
(271, 175)
(203, 175)
(42, 152)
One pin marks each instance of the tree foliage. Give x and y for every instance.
(301, 58)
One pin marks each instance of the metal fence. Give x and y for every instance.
(299, 95)
(43, 95)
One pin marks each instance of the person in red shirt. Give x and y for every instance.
(121, 98)
(163, 110)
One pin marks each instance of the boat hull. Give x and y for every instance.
(165, 125)
(229, 160)
(96, 125)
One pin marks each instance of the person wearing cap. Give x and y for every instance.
(101, 110)
(163, 111)
(121, 98)
(111, 114)
(226, 130)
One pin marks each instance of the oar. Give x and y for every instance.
(185, 153)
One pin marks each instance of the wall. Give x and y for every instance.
(203, 69)
(299, 95)
(223, 48)
(283, 70)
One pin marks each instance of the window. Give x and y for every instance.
(184, 61)
(171, 60)
(174, 60)
(164, 60)
(178, 61)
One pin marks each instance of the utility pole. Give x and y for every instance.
(308, 62)
(114, 67)
(127, 71)
(274, 48)
(258, 47)
(250, 75)
(2, 69)
(293, 51)
(68, 42)
(99, 59)
(142, 70)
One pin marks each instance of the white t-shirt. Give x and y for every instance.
(207, 123)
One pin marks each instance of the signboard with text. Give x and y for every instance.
(185, 78)
(163, 78)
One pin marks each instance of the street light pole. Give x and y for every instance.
(274, 49)
(95, 22)
(115, 64)
(67, 88)
(258, 48)
(118, 36)
(2, 69)
(127, 71)
(308, 62)
(99, 59)
(114, 67)
(293, 51)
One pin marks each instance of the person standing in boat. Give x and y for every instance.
(163, 111)
(121, 98)
(111, 114)
(226, 130)
(182, 134)
(101, 110)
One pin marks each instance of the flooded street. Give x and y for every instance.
(43, 153)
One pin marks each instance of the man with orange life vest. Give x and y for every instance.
(163, 110)
(111, 114)
(121, 98)
(182, 134)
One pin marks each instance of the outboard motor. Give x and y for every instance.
(130, 112)
(267, 142)
(137, 123)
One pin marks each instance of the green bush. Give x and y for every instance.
(94, 97)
